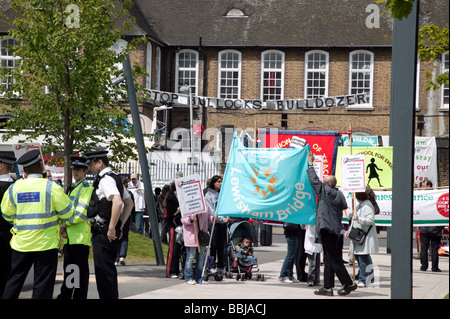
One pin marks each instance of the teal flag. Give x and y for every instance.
(267, 183)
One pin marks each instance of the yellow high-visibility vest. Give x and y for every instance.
(80, 232)
(36, 207)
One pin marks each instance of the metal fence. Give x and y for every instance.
(163, 172)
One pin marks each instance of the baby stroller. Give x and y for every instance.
(237, 232)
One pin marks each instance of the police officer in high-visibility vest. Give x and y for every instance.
(36, 207)
(77, 239)
(107, 222)
(6, 164)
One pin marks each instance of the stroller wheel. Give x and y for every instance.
(229, 274)
(238, 276)
(218, 277)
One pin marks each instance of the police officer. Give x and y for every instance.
(107, 222)
(78, 237)
(6, 164)
(35, 206)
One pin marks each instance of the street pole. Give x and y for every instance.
(403, 88)
(149, 197)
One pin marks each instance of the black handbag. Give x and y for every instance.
(203, 236)
(357, 235)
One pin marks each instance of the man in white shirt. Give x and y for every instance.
(137, 188)
(108, 222)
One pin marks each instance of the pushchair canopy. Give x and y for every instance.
(241, 229)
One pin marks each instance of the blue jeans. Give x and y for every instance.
(191, 253)
(287, 270)
(139, 219)
(364, 261)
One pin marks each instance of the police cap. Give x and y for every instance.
(29, 158)
(95, 155)
(7, 158)
(78, 162)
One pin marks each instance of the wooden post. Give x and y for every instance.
(353, 206)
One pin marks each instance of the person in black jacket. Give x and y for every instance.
(172, 208)
(430, 237)
(328, 227)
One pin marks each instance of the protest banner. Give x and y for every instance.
(425, 159)
(255, 104)
(269, 184)
(431, 207)
(353, 176)
(378, 165)
(321, 143)
(190, 195)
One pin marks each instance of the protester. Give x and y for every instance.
(123, 241)
(136, 187)
(173, 213)
(219, 239)
(194, 251)
(430, 238)
(164, 227)
(313, 252)
(364, 218)
(292, 233)
(331, 203)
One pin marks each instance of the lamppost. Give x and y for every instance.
(187, 89)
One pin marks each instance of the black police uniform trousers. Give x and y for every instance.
(105, 253)
(75, 288)
(45, 265)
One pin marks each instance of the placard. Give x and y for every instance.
(353, 173)
(190, 195)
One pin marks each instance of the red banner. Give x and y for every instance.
(321, 143)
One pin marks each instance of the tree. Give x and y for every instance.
(432, 40)
(62, 88)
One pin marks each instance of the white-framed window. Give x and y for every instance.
(9, 61)
(272, 75)
(316, 74)
(229, 74)
(444, 88)
(158, 69)
(187, 70)
(148, 67)
(361, 76)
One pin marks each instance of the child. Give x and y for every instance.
(244, 254)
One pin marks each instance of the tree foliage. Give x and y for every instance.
(62, 87)
(433, 42)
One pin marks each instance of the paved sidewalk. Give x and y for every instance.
(426, 285)
(148, 281)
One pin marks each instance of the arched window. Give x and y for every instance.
(187, 70)
(272, 75)
(361, 75)
(229, 74)
(316, 74)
